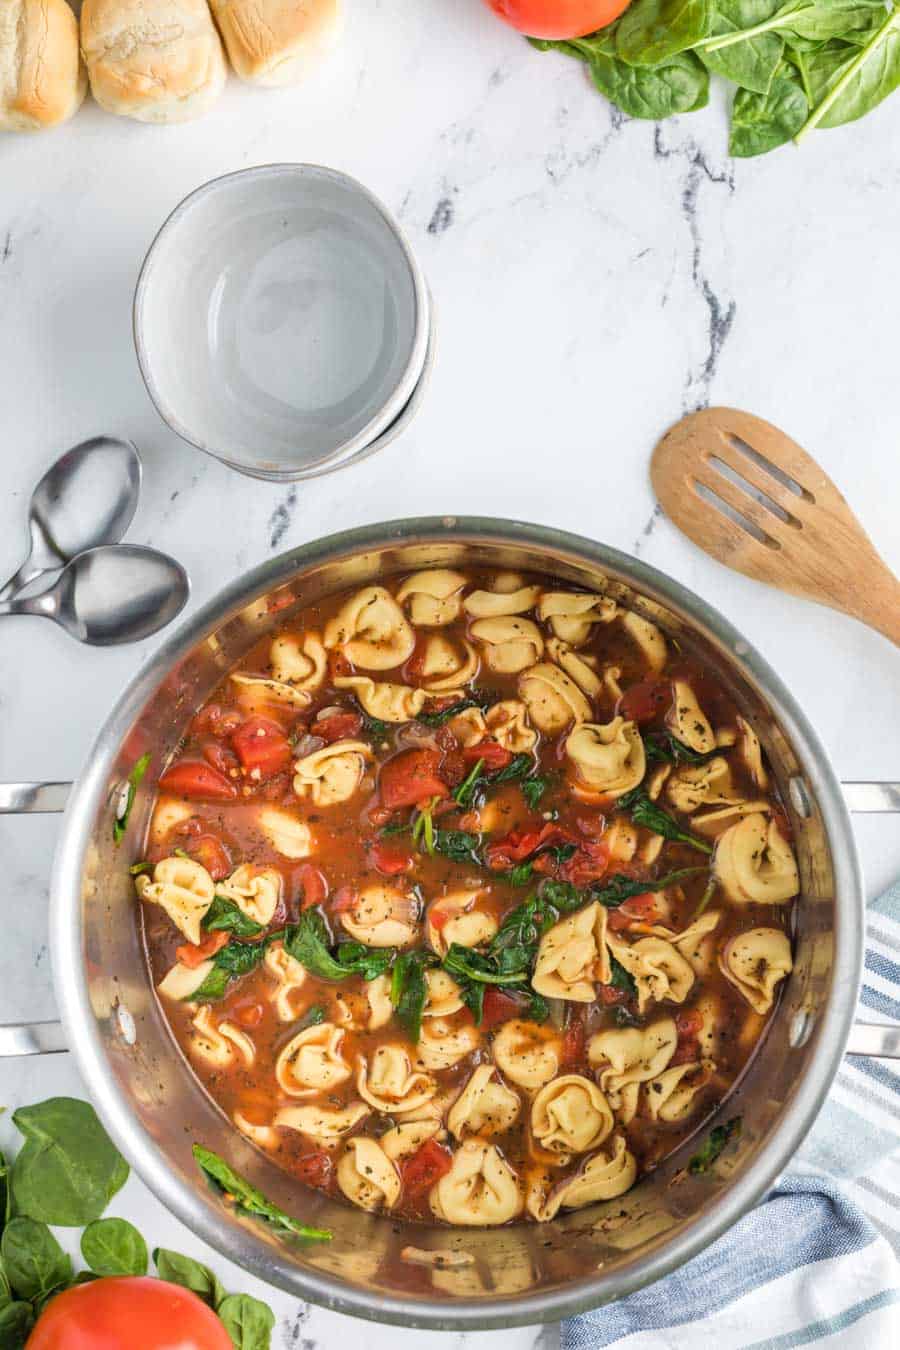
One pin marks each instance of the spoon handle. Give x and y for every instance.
(43, 606)
(26, 573)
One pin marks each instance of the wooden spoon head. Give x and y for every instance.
(753, 499)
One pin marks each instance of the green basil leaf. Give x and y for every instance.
(247, 1198)
(679, 84)
(713, 1145)
(16, 1322)
(114, 1247)
(763, 122)
(33, 1260)
(652, 31)
(190, 1274)
(68, 1170)
(409, 989)
(134, 778)
(224, 916)
(248, 1322)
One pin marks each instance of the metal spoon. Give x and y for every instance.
(112, 594)
(86, 498)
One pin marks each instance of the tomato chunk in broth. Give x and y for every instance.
(468, 896)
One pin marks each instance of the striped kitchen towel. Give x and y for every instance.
(818, 1262)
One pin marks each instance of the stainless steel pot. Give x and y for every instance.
(154, 1108)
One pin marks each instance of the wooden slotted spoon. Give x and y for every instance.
(751, 498)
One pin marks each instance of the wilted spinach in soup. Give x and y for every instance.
(466, 896)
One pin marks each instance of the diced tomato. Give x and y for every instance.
(518, 845)
(427, 1165)
(337, 727)
(616, 920)
(209, 851)
(278, 788)
(687, 1051)
(588, 863)
(390, 857)
(439, 916)
(453, 767)
(411, 777)
(313, 1168)
(498, 1007)
(640, 907)
(262, 747)
(494, 755)
(592, 826)
(609, 995)
(248, 1014)
(193, 954)
(221, 758)
(192, 778)
(573, 1042)
(343, 899)
(313, 886)
(689, 1023)
(280, 600)
(214, 720)
(646, 700)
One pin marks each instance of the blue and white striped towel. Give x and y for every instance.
(819, 1261)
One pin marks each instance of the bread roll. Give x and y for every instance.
(42, 79)
(273, 42)
(154, 60)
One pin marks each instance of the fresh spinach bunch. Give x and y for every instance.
(65, 1174)
(796, 64)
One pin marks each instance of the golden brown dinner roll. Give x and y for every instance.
(154, 60)
(273, 42)
(42, 79)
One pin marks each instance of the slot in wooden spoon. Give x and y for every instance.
(751, 498)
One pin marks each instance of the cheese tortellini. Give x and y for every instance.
(570, 1115)
(447, 666)
(754, 863)
(454, 919)
(509, 645)
(507, 723)
(672, 1095)
(382, 700)
(390, 1083)
(255, 692)
(371, 631)
(367, 1176)
(696, 785)
(756, 962)
(602, 1176)
(255, 890)
(485, 1106)
(220, 1044)
(501, 603)
(290, 837)
(687, 720)
(289, 977)
(528, 1053)
(444, 1041)
(657, 968)
(325, 1126)
(382, 916)
(434, 597)
(184, 889)
(577, 669)
(333, 774)
(609, 760)
(647, 638)
(572, 615)
(312, 1061)
(480, 1188)
(572, 957)
(630, 1056)
(299, 661)
(552, 698)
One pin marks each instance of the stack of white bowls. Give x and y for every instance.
(282, 323)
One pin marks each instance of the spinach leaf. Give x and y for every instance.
(16, 1321)
(679, 84)
(469, 964)
(458, 845)
(68, 1170)
(114, 1247)
(477, 699)
(713, 1145)
(464, 795)
(762, 122)
(313, 1017)
(620, 888)
(533, 789)
(33, 1260)
(224, 916)
(517, 768)
(213, 987)
(355, 958)
(308, 942)
(373, 726)
(190, 1274)
(664, 748)
(137, 868)
(649, 816)
(248, 1322)
(844, 84)
(562, 895)
(247, 1198)
(520, 874)
(652, 31)
(409, 989)
(5, 1194)
(474, 972)
(621, 978)
(137, 773)
(751, 59)
(238, 958)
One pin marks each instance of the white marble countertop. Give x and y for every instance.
(594, 279)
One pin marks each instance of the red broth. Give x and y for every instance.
(467, 898)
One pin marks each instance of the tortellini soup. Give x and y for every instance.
(468, 896)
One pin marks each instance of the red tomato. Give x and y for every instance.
(558, 18)
(518, 845)
(313, 886)
(644, 701)
(313, 1168)
(337, 726)
(390, 857)
(641, 907)
(126, 1310)
(221, 758)
(609, 995)
(193, 778)
(262, 747)
(193, 954)
(344, 899)
(498, 1007)
(411, 777)
(588, 863)
(494, 755)
(427, 1165)
(212, 854)
(214, 720)
(573, 1043)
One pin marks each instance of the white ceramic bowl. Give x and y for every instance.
(281, 321)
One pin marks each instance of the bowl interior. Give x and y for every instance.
(280, 318)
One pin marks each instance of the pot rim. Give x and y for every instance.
(831, 1031)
